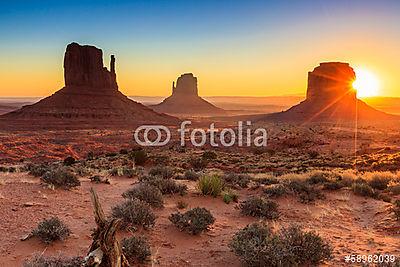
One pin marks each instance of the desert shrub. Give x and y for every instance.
(166, 186)
(3, 169)
(210, 185)
(259, 207)
(128, 172)
(318, 177)
(198, 163)
(394, 189)
(51, 230)
(90, 155)
(39, 260)
(258, 245)
(236, 179)
(181, 204)
(267, 180)
(61, 177)
(379, 180)
(136, 249)
(275, 190)
(164, 172)
(191, 175)
(134, 212)
(116, 172)
(145, 192)
(193, 221)
(68, 161)
(313, 154)
(209, 155)
(229, 195)
(139, 156)
(111, 154)
(334, 185)
(363, 189)
(37, 170)
(397, 209)
(305, 191)
(123, 151)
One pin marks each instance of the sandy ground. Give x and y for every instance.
(354, 225)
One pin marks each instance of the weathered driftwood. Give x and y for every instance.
(105, 250)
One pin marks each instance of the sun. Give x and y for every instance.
(366, 83)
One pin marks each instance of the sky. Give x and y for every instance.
(235, 48)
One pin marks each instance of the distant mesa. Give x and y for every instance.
(90, 95)
(185, 100)
(331, 97)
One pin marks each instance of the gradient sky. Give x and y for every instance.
(245, 48)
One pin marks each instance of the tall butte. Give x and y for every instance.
(331, 97)
(185, 100)
(90, 96)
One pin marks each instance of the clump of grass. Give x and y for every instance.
(50, 230)
(275, 190)
(145, 192)
(363, 189)
(166, 186)
(162, 171)
(211, 185)
(61, 177)
(258, 245)
(193, 221)
(259, 207)
(134, 212)
(136, 249)
(39, 260)
(229, 195)
(235, 179)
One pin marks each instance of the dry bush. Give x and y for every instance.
(147, 193)
(134, 212)
(275, 190)
(181, 204)
(379, 180)
(166, 186)
(68, 161)
(39, 260)
(305, 191)
(211, 185)
(235, 179)
(209, 155)
(363, 189)
(136, 249)
(51, 230)
(37, 170)
(193, 221)
(258, 245)
(198, 163)
(139, 156)
(191, 175)
(259, 207)
(61, 177)
(161, 171)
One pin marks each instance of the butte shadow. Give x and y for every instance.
(90, 98)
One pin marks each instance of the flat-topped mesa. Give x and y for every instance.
(83, 66)
(330, 81)
(185, 85)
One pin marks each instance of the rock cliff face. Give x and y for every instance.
(90, 97)
(83, 66)
(185, 100)
(331, 97)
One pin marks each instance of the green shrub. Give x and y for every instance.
(139, 156)
(211, 185)
(363, 189)
(134, 212)
(51, 230)
(147, 193)
(259, 207)
(275, 190)
(235, 179)
(161, 171)
(258, 245)
(37, 170)
(193, 221)
(68, 161)
(209, 155)
(61, 177)
(136, 249)
(39, 260)
(128, 172)
(166, 186)
(229, 195)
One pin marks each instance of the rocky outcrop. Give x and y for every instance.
(185, 100)
(83, 66)
(331, 97)
(90, 96)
